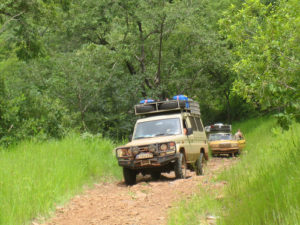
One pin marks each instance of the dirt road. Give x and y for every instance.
(147, 202)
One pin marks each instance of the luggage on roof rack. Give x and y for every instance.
(218, 127)
(187, 105)
(147, 101)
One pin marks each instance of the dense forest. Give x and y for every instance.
(82, 65)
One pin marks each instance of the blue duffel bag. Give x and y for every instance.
(147, 101)
(182, 98)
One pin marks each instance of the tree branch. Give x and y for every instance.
(9, 20)
(282, 83)
(150, 33)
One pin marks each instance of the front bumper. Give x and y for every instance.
(224, 150)
(154, 162)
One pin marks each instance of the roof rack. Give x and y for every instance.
(169, 106)
(218, 127)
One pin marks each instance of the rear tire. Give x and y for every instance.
(129, 176)
(172, 105)
(180, 167)
(144, 108)
(199, 164)
(155, 175)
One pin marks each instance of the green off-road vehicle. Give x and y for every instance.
(169, 137)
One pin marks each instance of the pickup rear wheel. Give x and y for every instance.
(199, 164)
(129, 176)
(180, 167)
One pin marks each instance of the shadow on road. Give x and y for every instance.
(165, 177)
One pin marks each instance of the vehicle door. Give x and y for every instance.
(187, 140)
(202, 135)
(194, 139)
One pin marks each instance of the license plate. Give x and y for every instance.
(144, 156)
(225, 145)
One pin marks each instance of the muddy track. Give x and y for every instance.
(147, 202)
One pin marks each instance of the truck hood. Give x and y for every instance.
(154, 140)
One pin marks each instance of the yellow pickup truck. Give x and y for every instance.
(221, 141)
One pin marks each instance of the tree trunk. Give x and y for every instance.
(158, 74)
(141, 59)
(228, 106)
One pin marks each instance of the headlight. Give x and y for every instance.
(119, 152)
(234, 145)
(123, 152)
(135, 150)
(152, 148)
(172, 146)
(164, 147)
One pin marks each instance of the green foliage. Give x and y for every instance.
(265, 39)
(99, 58)
(24, 22)
(34, 177)
(241, 110)
(83, 64)
(26, 112)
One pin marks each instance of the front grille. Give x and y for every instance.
(143, 148)
(225, 145)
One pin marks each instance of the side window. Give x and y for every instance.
(192, 121)
(184, 124)
(199, 124)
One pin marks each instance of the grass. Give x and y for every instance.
(35, 177)
(263, 188)
(194, 211)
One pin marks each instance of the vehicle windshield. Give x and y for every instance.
(157, 128)
(218, 137)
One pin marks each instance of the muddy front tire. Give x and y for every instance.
(129, 176)
(180, 167)
(199, 164)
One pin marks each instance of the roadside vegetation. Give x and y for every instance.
(263, 188)
(36, 177)
(80, 66)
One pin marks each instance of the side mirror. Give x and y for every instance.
(189, 131)
(130, 137)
